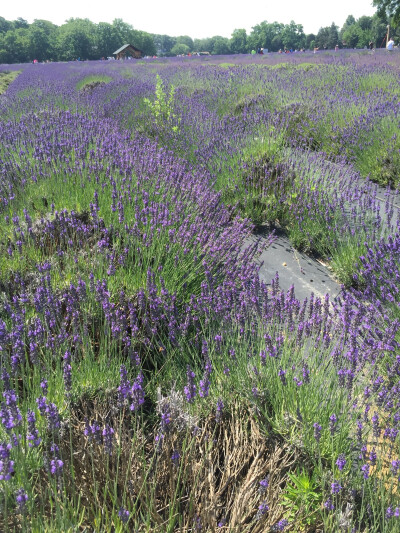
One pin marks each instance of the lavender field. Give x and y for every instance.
(150, 380)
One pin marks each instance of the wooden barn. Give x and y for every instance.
(122, 52)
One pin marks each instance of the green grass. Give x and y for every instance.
(93, 79)
(6, 78)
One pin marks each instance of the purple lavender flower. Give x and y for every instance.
(6, 464)
(9, 411)
(282, 375)
(50, 412)
(365, 471)
(395, 466)
(263, 486)
(306, 373)
(175, 458)
(67, 372)
(329, 505)
(190, 388)
(317, 431)
(44, 387)
(375, 425)
(124, 386)
(33, 434)
(336, 487)
(21, 498)
(389, 513)
(197, 523)
(279, 526)
(165, 417)
(123, 515)
(93, 431)
(108, 438)
(373, 457)
(56, 466)
(222, 522)
(159, 439)
(137, 393)
(262, 510)
(205, 382)
(219, 410)
(332, 424)
(341, 462)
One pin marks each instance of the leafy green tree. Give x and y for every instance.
(328, 37)
(221, 46)
(107, 39)
(352, 36)
(185, 39)
(310, 42)
(143, 41)
(17, 43)
(204, 45)
(293, 36)
(349, 21)
(163, 44)
(266, 35)
(238, 42)
(5, 25)
(180, 49)
(140, 39)
(77, 39)
(389, 8)
(42, 36)
(365, 22)
(124, 31)
(379, 30)
(20, 23)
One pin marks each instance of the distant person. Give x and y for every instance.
(316, 49)
(336, 48)
(371, 45)
(253, 52)
(390, 45)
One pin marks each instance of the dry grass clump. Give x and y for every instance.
(200, 477)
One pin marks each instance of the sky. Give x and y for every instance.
(201, 19)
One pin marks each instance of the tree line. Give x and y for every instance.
(21, 42)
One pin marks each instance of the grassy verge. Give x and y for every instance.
(6, 78)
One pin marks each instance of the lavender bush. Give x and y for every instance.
(149, 379)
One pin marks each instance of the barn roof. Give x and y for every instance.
(124, 47)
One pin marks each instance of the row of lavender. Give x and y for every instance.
(122, 272)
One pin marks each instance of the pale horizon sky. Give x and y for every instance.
(204, 19)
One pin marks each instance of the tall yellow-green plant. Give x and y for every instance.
(162, 108)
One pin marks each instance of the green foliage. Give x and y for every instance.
(96, 79)
(239, 42)
(221, 46)
(327, 37)
(162, 107)
(302, 499)
(5, 79)
(389, 8)
(180, 49)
